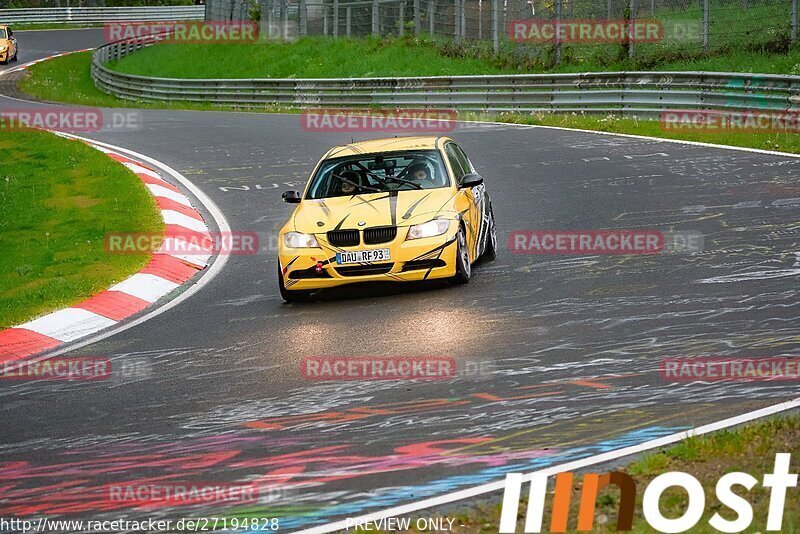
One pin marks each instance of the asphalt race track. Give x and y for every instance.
(559, 355)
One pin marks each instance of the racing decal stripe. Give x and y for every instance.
(325, 209)
(340, 223)
(368, 202)
(393, 207)
(429, 255)
(407, 214)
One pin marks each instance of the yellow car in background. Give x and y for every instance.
(8, 45)
(396, 210)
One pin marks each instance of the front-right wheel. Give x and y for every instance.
(463, 266)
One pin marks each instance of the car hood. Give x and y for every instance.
(395, 208)
(5, 42)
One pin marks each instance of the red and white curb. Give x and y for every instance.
(165, 272)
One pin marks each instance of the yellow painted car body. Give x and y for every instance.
(8, 44)
(383, 219)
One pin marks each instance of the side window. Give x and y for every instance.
(465, 164)
(452, 157)
(10, 33)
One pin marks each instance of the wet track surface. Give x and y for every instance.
(558, 355)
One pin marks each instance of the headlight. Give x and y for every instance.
(3, 48)
(298, 240)
(428, 229)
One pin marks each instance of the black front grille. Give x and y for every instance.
(373, 236)
(343, 238)
(364, 270)
(420, 265)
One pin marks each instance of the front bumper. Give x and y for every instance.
(419, 259)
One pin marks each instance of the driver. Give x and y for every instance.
(348, 188)
(419, 172)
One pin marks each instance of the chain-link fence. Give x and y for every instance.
(599, 31)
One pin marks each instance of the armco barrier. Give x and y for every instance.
(93, 15)
(633, 93)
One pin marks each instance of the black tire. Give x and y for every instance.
(290, 296)
(490, 252)
(14, 59)
(463, 266)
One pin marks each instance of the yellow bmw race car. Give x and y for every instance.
(401, 209)
(8, 45)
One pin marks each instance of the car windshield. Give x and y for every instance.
(3, 33)
(371, 173)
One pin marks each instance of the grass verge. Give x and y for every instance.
(320, 57)
(750, 449)
(780, 141)
(58, 198)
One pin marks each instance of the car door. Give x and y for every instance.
(468, 200)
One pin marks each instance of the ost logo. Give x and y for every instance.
(778, 482)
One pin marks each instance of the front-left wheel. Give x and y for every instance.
(291, 296)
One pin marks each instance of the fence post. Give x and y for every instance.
(463, 18)
(285, 18)
(335, 19)
(431, 16)
(324, 20)
(631, 22)
(480, 20)
(402, 16)
(375, 20)
(303, 17)
(794, 21)
(608, 9)
(349, 18)
(557, 51)
(457, 20)
(265, 19)
(705, 26)
(417, 18)
(495, 21)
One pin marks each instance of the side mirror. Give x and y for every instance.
(471, 180)
(292, 197)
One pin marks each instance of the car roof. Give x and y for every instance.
(4, 26)
(391, 144)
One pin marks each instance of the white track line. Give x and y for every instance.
(552, 470)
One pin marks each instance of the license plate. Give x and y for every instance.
(363, 256)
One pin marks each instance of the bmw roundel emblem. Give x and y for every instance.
(362, 223)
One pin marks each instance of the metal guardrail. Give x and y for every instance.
(89, 15)
(633, 93)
